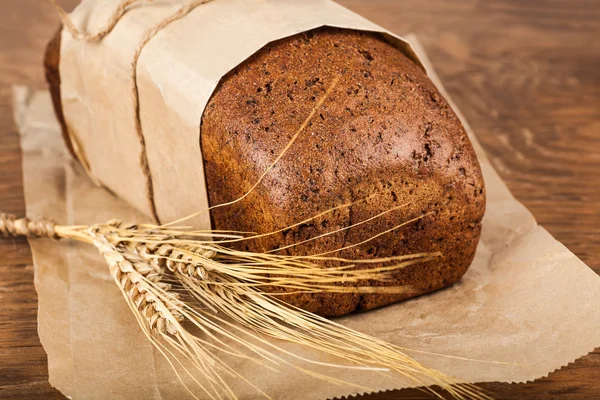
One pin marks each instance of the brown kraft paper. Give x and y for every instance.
(525, 308)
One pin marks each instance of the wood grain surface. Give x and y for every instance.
(526, 74)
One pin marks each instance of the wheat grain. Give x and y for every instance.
(135, 277)
(155, 266)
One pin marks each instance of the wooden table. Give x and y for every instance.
(526, 74)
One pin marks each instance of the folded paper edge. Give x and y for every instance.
(519, 382)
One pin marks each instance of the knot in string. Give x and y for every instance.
(11, 226)
(114, 18)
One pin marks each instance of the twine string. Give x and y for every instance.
(91, 37)
(11, 226)
(148, 35)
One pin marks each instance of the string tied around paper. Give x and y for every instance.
(114, 18)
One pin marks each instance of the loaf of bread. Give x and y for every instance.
(384, 134)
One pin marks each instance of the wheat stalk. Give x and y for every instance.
(154, 266)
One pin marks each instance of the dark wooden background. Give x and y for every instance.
(525, 73)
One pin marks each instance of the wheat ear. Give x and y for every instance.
(155, 266)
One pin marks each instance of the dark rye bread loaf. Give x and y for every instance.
(385, 130)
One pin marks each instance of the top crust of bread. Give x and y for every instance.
(385, 130)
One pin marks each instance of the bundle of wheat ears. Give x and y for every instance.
(196, 299)
(178, 280)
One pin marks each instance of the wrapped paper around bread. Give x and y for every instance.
(224, 89)
(516, 308)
